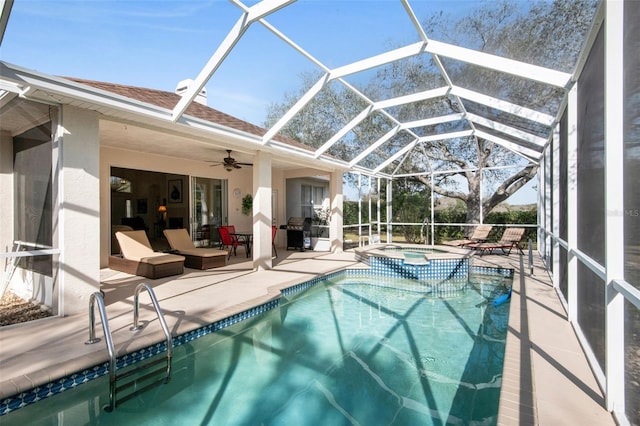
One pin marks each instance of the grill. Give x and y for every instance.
(299, 233)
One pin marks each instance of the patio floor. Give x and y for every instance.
(546, 378)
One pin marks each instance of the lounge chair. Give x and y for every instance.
(479, 235)
(195, 257)
(115, 247)
(510, 239)
(138, 258)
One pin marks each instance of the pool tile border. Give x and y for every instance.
(73, 380)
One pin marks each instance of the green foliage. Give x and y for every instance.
(350, 212)
(247, 205)
(449, 232)
(524, 217)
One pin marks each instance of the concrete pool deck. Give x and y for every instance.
(546, 378)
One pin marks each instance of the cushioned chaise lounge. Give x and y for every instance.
(138, 258)
(195, 257)
(510, 239)
(479, 235)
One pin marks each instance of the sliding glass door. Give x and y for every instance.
(209, 208)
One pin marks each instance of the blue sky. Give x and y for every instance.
(156, 44)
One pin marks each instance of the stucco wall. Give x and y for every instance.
(79, 214)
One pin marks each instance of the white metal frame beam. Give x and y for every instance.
(434, 120)
(414, 97)
(508, 130)
(501, 64)
(5, 12)
(395, 156)
(252, 14)
(517, 68)
(346, 129)
(527, 153)
(508, 107)
(445, 136)
(391, 133)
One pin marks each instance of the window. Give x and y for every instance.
(312, 199)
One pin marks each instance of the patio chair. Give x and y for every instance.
(510, 239)
(138, 258)
(214, 237)
(274, 230)
(229, 241)
(479, 235)
(195, 257)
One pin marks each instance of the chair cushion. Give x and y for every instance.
(179, 239)
(161, 259)
(134, 245)
(203, 252)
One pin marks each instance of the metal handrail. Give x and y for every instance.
(97, 296)
(107, 338)
(163, 323)
(422, 234)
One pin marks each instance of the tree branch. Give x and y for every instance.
(510, 186)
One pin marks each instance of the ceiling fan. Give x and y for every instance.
(229, 163)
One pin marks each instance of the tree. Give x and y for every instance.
(548, 34)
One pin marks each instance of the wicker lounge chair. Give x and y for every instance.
(195, 257)
(138, 258)
(510, 239)
(480, 234)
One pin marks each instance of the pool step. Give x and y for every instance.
(140, 384)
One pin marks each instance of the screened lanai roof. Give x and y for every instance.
(471, 93)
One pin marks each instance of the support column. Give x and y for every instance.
(79, 209)
(262, 220)
(370, 212)
(389, 211)
(336, 231)
(572, 202)
(379, 237)
(6, 189)
(614, 203)
(554, 191)
(359, 210)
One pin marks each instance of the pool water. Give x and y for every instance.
(414, 255)
(348, 351)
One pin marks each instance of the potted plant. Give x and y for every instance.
(247, 205)
(320, 229)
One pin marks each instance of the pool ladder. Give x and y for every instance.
(113, 377)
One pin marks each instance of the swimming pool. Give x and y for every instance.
(349, 350)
